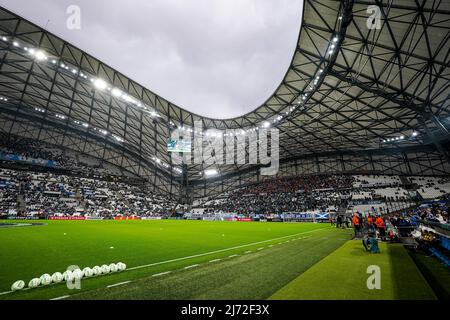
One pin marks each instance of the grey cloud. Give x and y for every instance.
(216, 58)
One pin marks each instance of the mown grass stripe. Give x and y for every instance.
(221, 250)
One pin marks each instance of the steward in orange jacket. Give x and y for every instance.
(379, 222)
(380, 226)
(355, 221)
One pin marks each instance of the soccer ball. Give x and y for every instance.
(87, 272)
(67, 275)
(18, 285)
(57, 277)
(77, 274)
(46, 279)
(34, 283)
(96, 271)
(121, 266)
(105, 269)
(113, 267)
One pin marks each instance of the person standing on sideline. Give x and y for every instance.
(356, 225)
(369, 223)
(380, 226)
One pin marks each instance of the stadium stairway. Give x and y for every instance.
(406, 183)
(21, 202)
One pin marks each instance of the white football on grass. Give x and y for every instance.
(87, 272)
(96, 271)
(113, 267)
(67, 275)
(35, 282)
(77, 274)
(105, 269)
(46, 279)
(18, 285)
(57, 277)
(121, 266)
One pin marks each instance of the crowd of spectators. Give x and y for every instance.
(323, 192)
(47, 194)
(8, 196)
(19, 150)
(427, 225)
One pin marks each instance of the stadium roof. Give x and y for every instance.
(352, 86)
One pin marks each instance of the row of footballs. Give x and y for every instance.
(68, 275)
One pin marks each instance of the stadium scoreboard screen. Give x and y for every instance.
(178, 145)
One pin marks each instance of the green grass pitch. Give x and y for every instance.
(225, 260)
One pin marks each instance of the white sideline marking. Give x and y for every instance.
(260, 248)
(247, 252)
(271, 246)
(117, 284)
(215, 260)
(161, 274)
(220, 250)
(193, 266)
(233, 255)
(204, 254)
(60, 298)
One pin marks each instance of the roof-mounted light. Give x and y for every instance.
(39, 55)
(210, 172)
(100, 84)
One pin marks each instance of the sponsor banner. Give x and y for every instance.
(22, 218)
(33, 161)
(127, 218)
(150, 218)
(239, 219)
(94, 218)
(67, 218)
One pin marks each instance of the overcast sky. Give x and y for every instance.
(217, 58)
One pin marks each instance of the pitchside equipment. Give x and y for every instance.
(35, 282)
(57, 277)
(67, 275)
(96, 271)
(113, 267)
(46, 279)
(121, 266)
(105, 269)
(77, 274)
(18, 285)
(87, 272)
